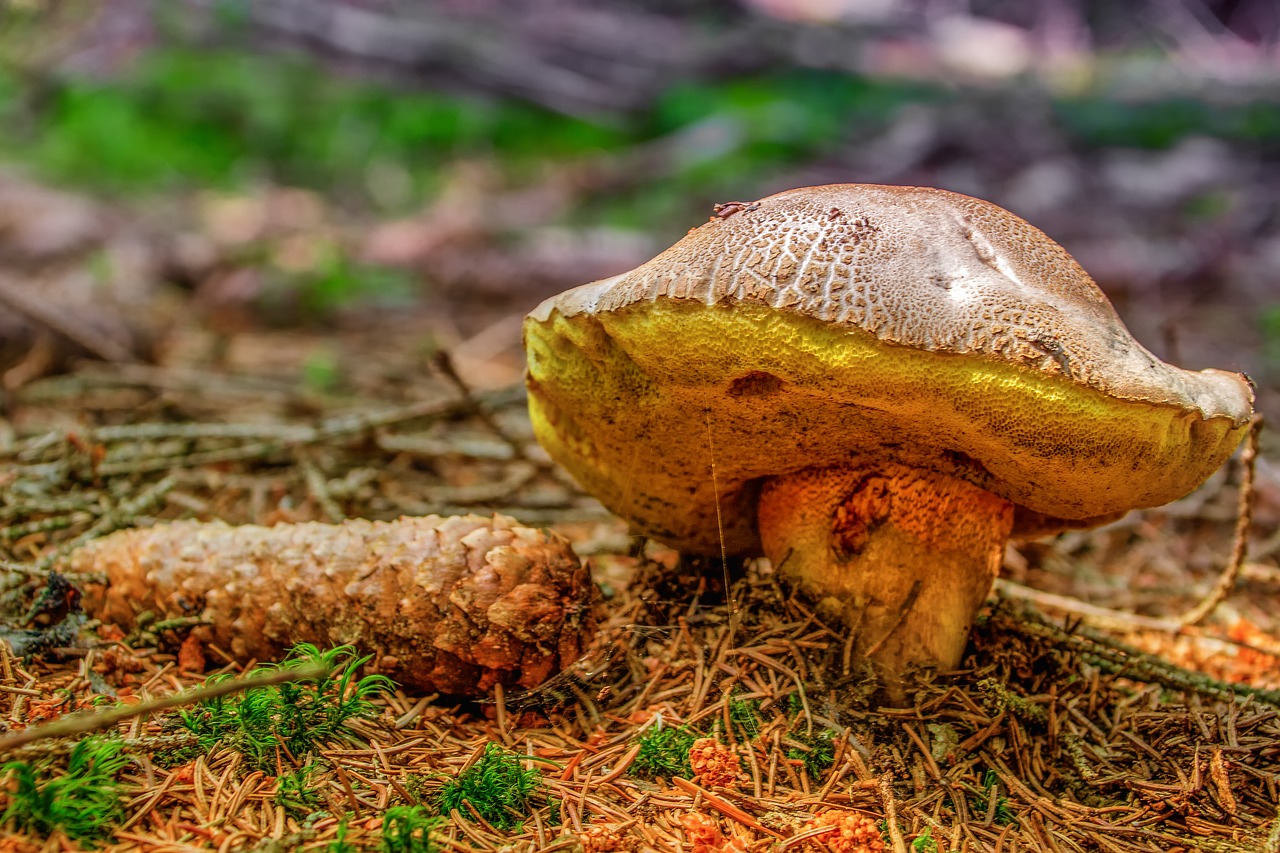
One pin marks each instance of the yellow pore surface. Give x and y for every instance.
(673, 413)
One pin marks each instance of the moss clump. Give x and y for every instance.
(816, 751)
(664, 752)
(407, 829)
(82, 800)
(295, 716)
(497, 787)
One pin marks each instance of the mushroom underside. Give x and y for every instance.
(671, 414)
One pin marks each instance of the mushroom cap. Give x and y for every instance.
(839, 324)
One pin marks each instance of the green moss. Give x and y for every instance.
(981, 802)
(82, 799)
(296, 794)
(664, 752)
(1001, 697)
(496, 786)
(407, 829)
(339, 842)
(297, 717)
(816, 751)
(924, 843)
(744, 718)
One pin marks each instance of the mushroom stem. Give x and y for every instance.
(903, 556)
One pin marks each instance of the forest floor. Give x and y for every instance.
(1084, 723)
(241, 285)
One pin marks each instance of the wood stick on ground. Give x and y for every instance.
(1239, 548)
(885, 789)
(723, 806)
(17, 298)
(80, 723)
(1114, 656)
(1092, 614)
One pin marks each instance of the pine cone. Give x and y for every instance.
(454, 605)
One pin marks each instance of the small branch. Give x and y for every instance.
(885, 789)
(81, 723)
(1099, 617)
(1239, 548)
(55, 318)
(146, 744)
(444, 362)
(1117, 658)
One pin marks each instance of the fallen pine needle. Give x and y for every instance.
(621, 767)
(723, 806)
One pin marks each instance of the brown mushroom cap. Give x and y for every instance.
(827, 325)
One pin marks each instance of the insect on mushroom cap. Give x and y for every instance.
(827, 324)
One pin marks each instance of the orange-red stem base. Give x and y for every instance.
(904, 557)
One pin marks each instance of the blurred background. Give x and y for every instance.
(318, 187)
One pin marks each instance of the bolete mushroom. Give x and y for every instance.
(874, 386)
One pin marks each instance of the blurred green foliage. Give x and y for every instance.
(1101, 122)
(338, 280)
(180, 118)
(1269, 321)
(787, 117)
(193, 119)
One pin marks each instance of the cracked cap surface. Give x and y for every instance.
(844, 323)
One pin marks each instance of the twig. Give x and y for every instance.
(44, 525)
(1239, 547)
(1099, 617)
(148, 744)
(723, 806)
(118, 517)
(621, 766)
(56, 320)
(885, 789)
(81, 723)
(1120, 620)
(1118, 658)
(445, 364)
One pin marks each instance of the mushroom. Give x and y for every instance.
(875, 387)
